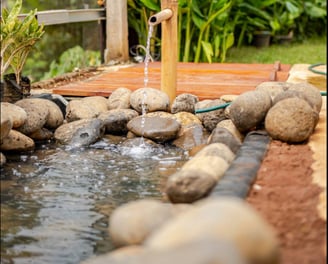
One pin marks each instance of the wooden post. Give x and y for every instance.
(169, 50)
(117, 44)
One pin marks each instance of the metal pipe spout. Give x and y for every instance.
(161, 16)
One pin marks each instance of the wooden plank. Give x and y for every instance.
(63, 16)
(117, 45)
(207, 81)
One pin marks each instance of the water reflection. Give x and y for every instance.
(56, 201)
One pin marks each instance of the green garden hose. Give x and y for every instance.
(311, 68)
(213, 108)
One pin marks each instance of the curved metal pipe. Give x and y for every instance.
(160, 17)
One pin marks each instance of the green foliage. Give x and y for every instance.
(139, 12)
(208, 29)
(310, 51)
(204, 30)
(72, 59)
(17, 38)
(280, 17)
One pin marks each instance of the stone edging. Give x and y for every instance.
(241, 174)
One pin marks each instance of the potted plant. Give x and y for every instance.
(284, 14)
(18, 37)
(254, 21)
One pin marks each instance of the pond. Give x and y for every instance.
(56, 200)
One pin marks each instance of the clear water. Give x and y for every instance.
(55, 201)
(148, 56)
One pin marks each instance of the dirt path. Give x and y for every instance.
(290, 192)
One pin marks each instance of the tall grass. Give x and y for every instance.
(310, 51)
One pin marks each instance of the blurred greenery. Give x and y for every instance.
(209, 31)
(73, 59)
(56, 40)
(309, 51)
(59, 38)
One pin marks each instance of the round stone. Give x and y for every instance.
(290, 120)
(248, 111)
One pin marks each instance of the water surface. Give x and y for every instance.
(56, 200)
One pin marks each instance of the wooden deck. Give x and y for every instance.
(207, 81)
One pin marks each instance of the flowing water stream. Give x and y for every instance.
(55, 202)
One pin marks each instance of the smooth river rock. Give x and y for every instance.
(37, 111)
(6, 124)
(201, 251)
(17, 114)
(116, 120)
(80, 133)
(119, 99)
(249, 110)
(291, 120)
(75, 110)
(223, 135)
(198, 176)
(153, 100)
(17, 141)
(131, 223)
(226, 218)
(311, 92)
(273, 88)
(155, 126)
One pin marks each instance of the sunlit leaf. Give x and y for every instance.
(208, 50)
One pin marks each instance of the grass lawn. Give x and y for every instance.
(310, 51)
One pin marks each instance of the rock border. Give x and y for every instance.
(242, 172)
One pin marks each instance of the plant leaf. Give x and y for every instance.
(208, 50)
(151, 4)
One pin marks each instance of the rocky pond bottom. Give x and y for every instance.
(56, 201)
